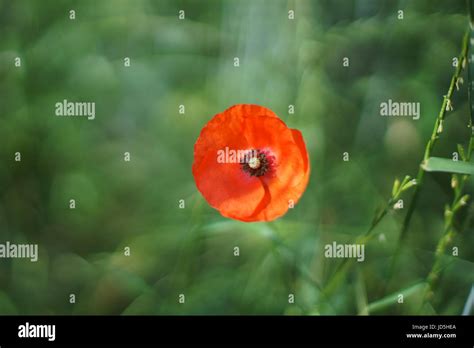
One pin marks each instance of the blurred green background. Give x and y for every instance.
(135, 204)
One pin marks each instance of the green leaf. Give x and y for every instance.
(408, 184)
(392, 299)
(436, 164)
(396, 186)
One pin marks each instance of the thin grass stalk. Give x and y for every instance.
(437, 130)
(457, 183)
(344, 266)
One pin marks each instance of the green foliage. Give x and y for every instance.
(191, 251)
(446, 165)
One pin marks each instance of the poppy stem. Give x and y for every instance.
(303, 272)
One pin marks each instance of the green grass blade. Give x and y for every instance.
(446, 165)
(391, 300)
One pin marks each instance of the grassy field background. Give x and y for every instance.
(190, 62)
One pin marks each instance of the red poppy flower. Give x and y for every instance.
(249, 165)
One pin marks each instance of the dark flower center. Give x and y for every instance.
(257, 162)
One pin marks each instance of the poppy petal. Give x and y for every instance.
(225, 127)
(245, 195)
(272, 134)
(292, 166)
(227, 188)
(298, 137)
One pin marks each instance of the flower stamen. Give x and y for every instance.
(258, 163)
(254, 163)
